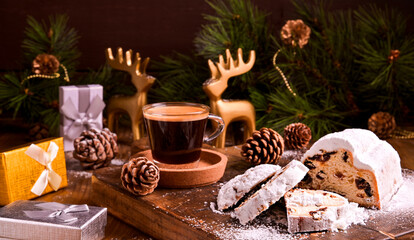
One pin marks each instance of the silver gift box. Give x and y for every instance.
(81, 109)
(15, 222)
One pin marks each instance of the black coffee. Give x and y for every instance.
(176, 133)
(176, 142)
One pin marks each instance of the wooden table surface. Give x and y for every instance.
(79, 181)
(79, 187)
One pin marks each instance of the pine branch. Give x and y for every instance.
(36, 98)
(385, 82)
(54, 38)
(237, 24)
(179, 78)
(322, 117)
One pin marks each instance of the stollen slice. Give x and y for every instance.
(318, 210)
(270, 192)
(231, 193)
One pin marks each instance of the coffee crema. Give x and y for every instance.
(176, 113)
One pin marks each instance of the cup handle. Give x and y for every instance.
(219, 129)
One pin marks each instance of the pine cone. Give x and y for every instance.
(382, 124)
(45, 64)
(95, 148)
(297, 136)
(38, 131)
(140, 176)
(264, 146)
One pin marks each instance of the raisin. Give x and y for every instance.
(309, 164)
(322, 157)
(339, 175)
(321, 175)
(361, 183)
(360, 195)
(317, 215)
(345, 156)
(368, 191)
(316, 157)
(307, 179)
(327, 156)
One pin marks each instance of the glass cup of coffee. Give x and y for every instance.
(176, 132)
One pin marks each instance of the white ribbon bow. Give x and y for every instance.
(81, 121)
(48, 175)
(58, 211)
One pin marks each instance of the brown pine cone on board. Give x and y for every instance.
(264, 146)
(140, 176)
(95, 148)
(297, 136)
(382, 124)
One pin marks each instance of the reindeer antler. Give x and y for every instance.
(230, 67)
(137, 67)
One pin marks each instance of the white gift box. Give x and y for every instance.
(81, 109)
(49, 220)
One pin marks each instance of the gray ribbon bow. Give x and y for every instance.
(81, 121)
(58, 211)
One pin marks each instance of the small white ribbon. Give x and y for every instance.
(48, 175)
(58, 211)
(85, 120)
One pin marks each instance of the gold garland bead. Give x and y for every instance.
(55, 75)
(66, 78)
(402, 134)
(282, 74)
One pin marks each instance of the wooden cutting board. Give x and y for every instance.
(189, 214)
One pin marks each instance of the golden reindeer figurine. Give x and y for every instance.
(132, 105)
(229, 110)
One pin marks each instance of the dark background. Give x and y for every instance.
(152, 27)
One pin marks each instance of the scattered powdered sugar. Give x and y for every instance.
(403, 199)
(272, 224)
(253, 233)
(235, 231)
(81, 174)
(117, 162)
(352, 214)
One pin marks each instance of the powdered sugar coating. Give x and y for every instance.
(284, 180)
(237, 187)
(369, 153)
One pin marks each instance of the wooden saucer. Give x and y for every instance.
(210, 169)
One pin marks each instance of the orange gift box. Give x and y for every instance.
(19, 172)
